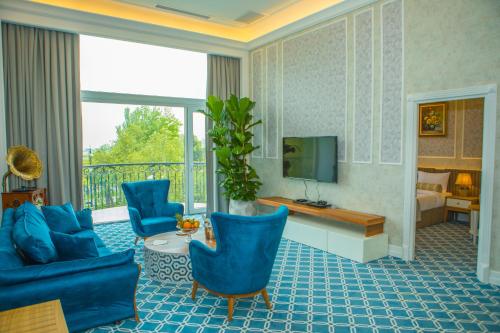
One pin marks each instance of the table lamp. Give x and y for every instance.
(464, 181)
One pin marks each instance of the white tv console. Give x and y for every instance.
(349, 234)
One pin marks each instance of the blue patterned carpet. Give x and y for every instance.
(314, 291)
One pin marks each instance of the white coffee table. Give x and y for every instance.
(169, 262)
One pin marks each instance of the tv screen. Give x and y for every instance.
(310, 158)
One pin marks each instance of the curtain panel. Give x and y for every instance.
(223, 79)
(43, 110)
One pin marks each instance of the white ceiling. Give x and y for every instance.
(226, 12)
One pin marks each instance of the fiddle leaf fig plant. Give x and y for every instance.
(232, 138)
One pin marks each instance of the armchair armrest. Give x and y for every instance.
(60, 268)
(203, 260)
(171, 209)
(135, 219)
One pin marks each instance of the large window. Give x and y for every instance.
(115, 66)
(140, 120)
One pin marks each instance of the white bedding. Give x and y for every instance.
(430, 199)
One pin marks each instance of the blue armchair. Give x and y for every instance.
(149, 209)
(242, 262)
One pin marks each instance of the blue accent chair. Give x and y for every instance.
(149, 209)
(242, 262)
(93, 292)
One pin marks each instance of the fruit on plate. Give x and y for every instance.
(187, 223)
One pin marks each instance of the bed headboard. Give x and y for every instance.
(475, 189)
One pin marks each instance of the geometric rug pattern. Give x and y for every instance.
(315, 291)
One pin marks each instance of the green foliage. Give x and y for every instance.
(232, 136)
(148, 134)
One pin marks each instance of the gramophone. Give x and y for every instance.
(24, 163)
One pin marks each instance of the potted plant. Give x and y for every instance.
(232, 138)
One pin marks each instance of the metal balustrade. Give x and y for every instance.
(102, 182)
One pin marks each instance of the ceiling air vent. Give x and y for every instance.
(183, 12)
(249, 17)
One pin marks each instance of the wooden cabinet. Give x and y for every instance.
(15, 199)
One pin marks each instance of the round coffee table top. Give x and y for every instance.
(171, 243)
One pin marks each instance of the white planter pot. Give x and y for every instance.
(240, 207)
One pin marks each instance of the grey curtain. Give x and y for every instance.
(43, 110)
(223, 79)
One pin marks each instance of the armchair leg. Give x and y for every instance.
(195, 288)
(265, 295)
(230, 307)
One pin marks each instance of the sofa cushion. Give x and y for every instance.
(157, 225)
(104, 251)
(62, 268)
(7, 218)
(9, 259)
(84, 218)
(71, 247)
(61, 218)
(90, 233)
(32, 235)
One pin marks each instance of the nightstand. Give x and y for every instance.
(458, 204)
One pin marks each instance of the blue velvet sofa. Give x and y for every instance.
(150, 211)
(92, 291)
(242, 262)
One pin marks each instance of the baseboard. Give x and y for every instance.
(396, 251)
(495, 278)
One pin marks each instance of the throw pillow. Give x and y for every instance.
(71, 247)
(61, 218)
(430, 187)
(32, 235)
(84, 217)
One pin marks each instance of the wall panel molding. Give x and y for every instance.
(257, 93)
(315, 83)
(363, 91)
(272, 101)
(392, 81)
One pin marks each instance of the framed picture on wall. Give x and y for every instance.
(432, 119)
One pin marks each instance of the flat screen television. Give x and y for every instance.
(312, 158)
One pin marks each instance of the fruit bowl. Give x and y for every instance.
(187, 226)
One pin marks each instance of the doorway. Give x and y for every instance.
(489, 94)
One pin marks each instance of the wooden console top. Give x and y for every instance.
(373, 224)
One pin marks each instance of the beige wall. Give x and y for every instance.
(448, 44)
(369, 187)
(461, 147)
(455, 44)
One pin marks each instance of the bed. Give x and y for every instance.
(430, 207)
(433, 186)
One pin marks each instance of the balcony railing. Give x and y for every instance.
(102, 182)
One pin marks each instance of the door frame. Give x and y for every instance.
(189, 158)
(489, 93)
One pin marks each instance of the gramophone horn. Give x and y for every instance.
(24, 163)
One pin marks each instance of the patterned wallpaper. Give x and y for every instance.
(363, 87)
(391, 142)
(314, 84)
(257, 94)
(462, 147)
(329, 82)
